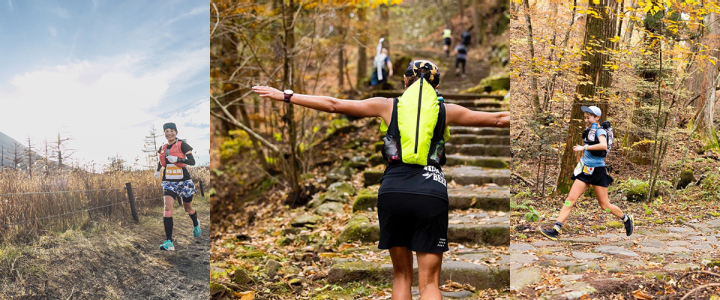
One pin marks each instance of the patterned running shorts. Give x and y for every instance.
(184, 189)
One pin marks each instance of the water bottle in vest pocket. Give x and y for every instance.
(390, 149)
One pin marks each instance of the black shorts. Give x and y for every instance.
(448, 41)
(599, 177)
(417, 222)
(170, 193)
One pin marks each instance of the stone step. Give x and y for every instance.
(478, 149)
(480, 139)
(492, 198)
(477, 275)
(466, 175)
(479, 228)
(479, 130)
(474, 228)
(478, 161)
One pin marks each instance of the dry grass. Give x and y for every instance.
(33, 206)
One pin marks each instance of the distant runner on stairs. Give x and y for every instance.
(413, 196)
(465, 37)
(447, 40)
(460, 59)
(382, 66)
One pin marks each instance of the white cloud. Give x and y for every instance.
(53, 31)
(193, 12)
(60, 12)
(107, 105)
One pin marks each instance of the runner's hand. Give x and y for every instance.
(172, 159)
(578, 148)
(269, 92)
(157, 174)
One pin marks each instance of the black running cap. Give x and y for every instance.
(432, 73)
(170, 125)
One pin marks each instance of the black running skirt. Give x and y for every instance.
(599, 177)
(448, 41)
(417, 222)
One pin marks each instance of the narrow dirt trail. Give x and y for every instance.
(118, 261)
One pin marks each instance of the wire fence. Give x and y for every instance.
(24, 213)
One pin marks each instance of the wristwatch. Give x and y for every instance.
(288, 94)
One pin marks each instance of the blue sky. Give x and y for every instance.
(104, 72)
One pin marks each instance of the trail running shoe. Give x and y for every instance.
(629, 225)
(167, 246)
(549, 233)
(196, 230)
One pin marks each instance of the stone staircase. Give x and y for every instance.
(479, 198)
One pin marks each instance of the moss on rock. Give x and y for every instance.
(366, 199)
(372, 177)
(614, 224)
(359, 228)
(491, 83)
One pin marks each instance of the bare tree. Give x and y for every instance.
(17, 155)
(150, 146)
(29, 153)
(62, 152)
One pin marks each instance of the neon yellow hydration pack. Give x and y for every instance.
(446, 33)
(418, 126)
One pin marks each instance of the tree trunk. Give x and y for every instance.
(362, 52)
(533, 78)
(597, 31)
(385, 26)
(460, 8)
(443, 13)
(705, 120)
(289, 80)
(29, 154)
(479, 27)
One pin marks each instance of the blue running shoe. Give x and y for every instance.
(167, 246)
(196, 230)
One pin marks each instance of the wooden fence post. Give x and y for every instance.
(202, 190)
(131, 198)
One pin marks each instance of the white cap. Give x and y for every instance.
(592, 109)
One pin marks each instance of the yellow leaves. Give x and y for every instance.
(615, 39)
(712, 61)
(518, 2)
(596, 2)
(641, 295)
(246, 295)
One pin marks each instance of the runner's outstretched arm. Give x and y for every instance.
(373, 107)
(458, 115)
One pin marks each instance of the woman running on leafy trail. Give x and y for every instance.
(413, 199)
(176, 181)
(591, 171)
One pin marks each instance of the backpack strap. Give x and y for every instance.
(393, 128)
(436, 156)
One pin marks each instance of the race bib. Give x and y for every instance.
(173, 172)
(588, 170)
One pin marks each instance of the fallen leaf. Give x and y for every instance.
(641, 295)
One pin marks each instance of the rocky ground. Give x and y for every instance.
(594, 258)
